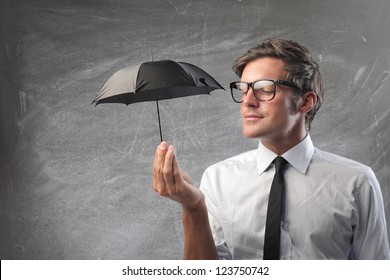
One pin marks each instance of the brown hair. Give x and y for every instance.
(299, 64)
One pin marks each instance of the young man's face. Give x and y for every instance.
(269, 120)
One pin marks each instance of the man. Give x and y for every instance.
(332, 207)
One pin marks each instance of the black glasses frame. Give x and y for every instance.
(233, 85)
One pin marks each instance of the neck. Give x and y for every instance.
(281, 145)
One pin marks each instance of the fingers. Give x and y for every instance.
(164, 181)
(170, 181)
(168, 171)
(158, 178)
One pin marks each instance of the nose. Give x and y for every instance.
(250, 99)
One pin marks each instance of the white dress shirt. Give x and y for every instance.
(333, 206)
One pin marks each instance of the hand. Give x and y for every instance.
(170, 182)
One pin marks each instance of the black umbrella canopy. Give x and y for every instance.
(154, 81)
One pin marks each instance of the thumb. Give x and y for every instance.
(180, 176)
(176, 171)
(186, 177)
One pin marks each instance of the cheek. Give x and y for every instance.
(294, 105)
(243, 108)
(288, 106)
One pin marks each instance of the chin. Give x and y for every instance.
(251, 134)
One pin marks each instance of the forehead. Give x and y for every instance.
(264, 68)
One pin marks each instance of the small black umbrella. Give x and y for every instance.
(154, 81)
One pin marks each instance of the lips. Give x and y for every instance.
(252, 117)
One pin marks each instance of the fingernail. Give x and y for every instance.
(163, 145)
(170, 147)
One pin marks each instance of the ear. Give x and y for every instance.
(308, 101)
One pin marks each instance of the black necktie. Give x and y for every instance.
(274, 212)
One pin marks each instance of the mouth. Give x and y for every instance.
(252, 117)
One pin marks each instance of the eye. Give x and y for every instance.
(242, 86)
(264, 86)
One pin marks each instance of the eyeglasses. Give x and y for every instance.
(264, 90)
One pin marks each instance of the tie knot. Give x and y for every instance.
(280, 164)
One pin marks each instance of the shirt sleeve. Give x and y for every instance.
(206, 186)
(370, 239)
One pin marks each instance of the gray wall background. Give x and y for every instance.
(75, 180)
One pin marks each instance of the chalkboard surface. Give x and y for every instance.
(75, 179)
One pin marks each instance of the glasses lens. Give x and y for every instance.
(238, 91)
(264, 90)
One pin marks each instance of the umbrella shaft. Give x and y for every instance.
(159, 122)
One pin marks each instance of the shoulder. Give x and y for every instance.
(222, 178)
(228, 170)
(237, 161)
(342, 166)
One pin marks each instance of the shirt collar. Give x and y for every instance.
(299, 156)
